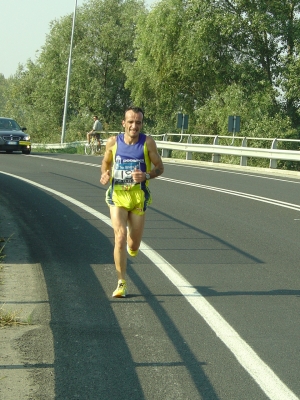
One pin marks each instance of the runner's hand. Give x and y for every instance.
(138, 175)
(105, 178)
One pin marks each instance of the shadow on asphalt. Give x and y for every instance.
(91, 357)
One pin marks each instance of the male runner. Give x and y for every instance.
(127, 166)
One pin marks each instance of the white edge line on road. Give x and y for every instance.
(235, 172)
(180, 164)
(216, 189)
(234, 193)
(263, 375)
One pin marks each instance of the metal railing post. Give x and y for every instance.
(165, 152)
(216, 157)
(273, 163)
(189, 153)
(243, 160)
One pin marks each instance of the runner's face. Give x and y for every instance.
(133, 124)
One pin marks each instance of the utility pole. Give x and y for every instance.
(63, 131)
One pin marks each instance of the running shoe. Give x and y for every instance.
(121, 290)
(132, 253)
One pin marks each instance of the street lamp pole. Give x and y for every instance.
(68, 79)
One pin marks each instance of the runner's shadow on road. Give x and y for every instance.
(85, 344)
(91, 358)
(185, 242)
(189, 360)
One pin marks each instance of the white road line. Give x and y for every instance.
(243, 173)
(213, 169)
(68, 161)
(216, 189)
(262, 374)
(234, 193)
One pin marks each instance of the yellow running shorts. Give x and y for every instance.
(135, 201)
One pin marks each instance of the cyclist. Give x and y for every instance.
(97, 127)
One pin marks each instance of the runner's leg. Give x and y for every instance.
(119, 218)
(135, 231)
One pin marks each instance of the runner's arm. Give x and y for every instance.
(107, 161)
(154, 158)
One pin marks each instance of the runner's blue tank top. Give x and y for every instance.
(126, 159)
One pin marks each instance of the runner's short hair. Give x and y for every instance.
(135, 110)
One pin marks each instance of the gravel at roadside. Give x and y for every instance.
(27, 359)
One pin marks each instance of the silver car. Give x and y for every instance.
(13, 137)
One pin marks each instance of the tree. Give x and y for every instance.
(102, 42)
(3, 86)
(254, 110)
(262, 37)
(107, 29)
(172, 71)
(188, 49)
(181, 55)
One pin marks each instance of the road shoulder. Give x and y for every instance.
(26, 348)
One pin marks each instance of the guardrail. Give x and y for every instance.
(273, 154)
(57, 145)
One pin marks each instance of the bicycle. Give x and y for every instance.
(93, 147)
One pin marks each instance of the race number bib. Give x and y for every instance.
(123, 175)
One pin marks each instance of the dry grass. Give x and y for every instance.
(7, 318)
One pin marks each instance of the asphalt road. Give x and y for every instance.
(213, 306)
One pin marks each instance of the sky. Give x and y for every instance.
(24, 25)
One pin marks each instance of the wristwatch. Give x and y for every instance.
(147, 176)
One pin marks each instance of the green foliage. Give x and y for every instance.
(103, 40)
(259, 116)
(259, 119)
(3, 88)
(188, 50)
(207, 58)
(153, 78)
